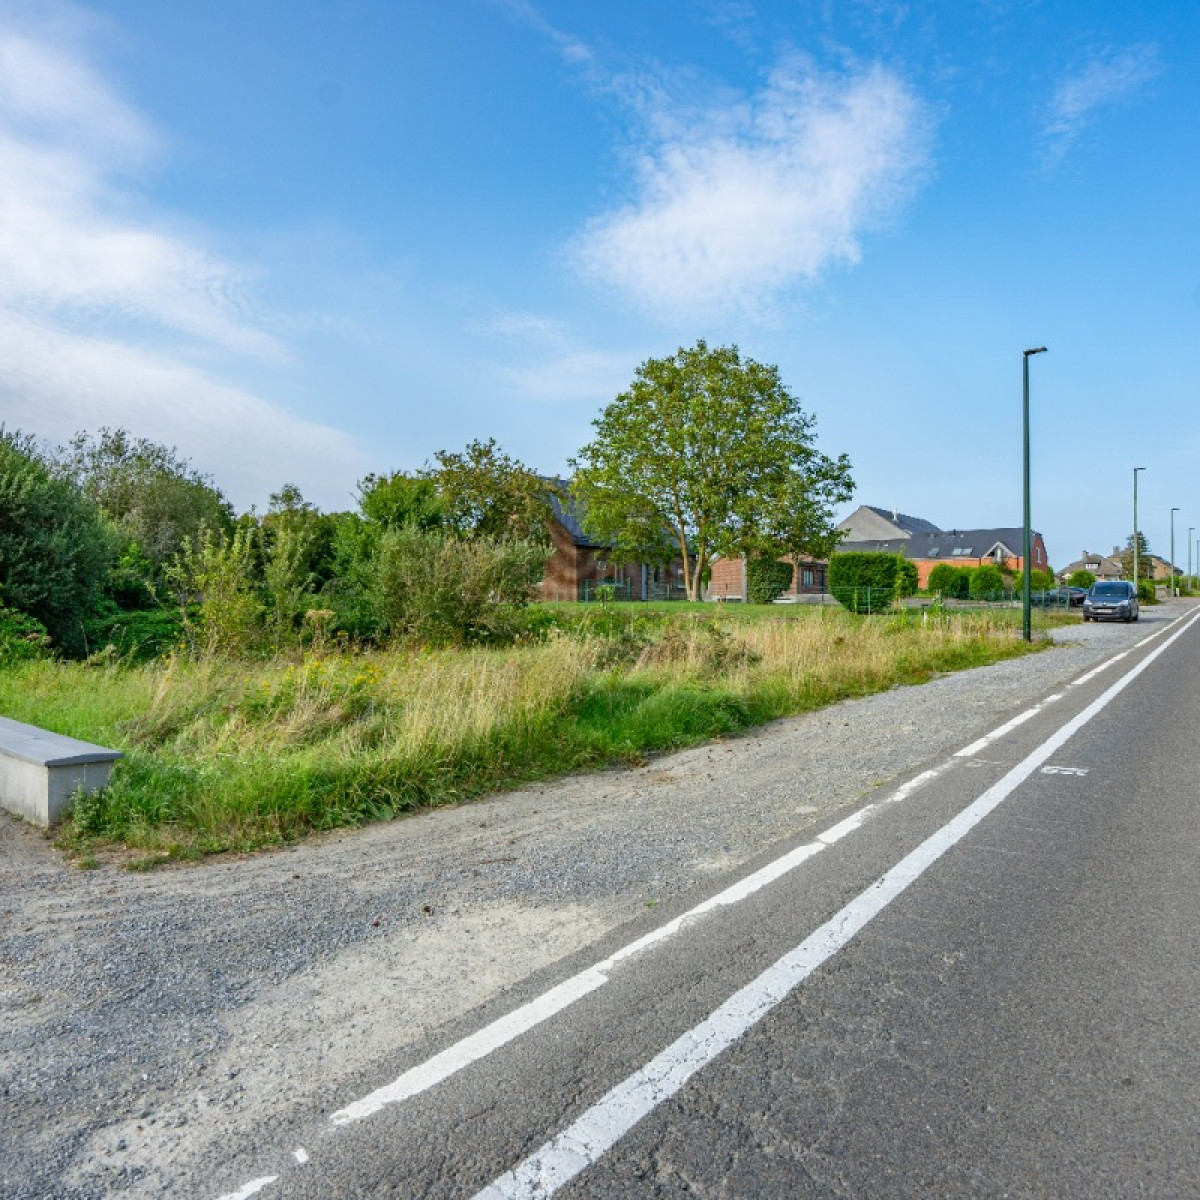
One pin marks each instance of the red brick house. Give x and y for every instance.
(727, 580)
(960, 548)
(580, 564)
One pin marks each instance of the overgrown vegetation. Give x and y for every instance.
(232, 755)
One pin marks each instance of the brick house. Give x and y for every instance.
(580, 564)
(727, 579)
(923, 544)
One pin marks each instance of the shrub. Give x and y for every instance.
(55, 547)
(987, 582)
(217, 571)
(21, 637)
(1147, 594)
(767, 579)
(1041, 581)
(1081, 579)
(953, 582)
(436, 589)
(867, 581)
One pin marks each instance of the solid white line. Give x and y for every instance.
(491, 1037)
(521, 1020)
(583, 1142)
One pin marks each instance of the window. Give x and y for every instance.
(808, 577)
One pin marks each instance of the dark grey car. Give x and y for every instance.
(1111, 600)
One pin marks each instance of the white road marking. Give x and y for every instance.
(584, 1141)
(249, 1189)
(460, 1055)
(1008, 726)
(491, 1037)
(1064, 770)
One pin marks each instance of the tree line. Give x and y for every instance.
(114, 539)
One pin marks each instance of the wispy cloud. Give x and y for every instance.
(745, 198)
(549, 363)
(1109, 79)
(105, 302)
(571, 49)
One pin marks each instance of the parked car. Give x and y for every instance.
(1111, 600)
(1060, 597)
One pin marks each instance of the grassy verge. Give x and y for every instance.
(235, 756)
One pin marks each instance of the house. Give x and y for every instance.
(1161, 570)
(580, 564)
(922, 543)
(1103, 566)
(727, 579)
(868, 524)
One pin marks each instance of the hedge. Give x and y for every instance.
(767, 579)
(867, 581)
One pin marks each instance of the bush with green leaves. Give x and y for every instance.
(1081, 579)
(767, 579)
(870, 581)
(954, 583)
(1041, 581)
(56, 548)
(1147, 593)
(217, 572)
(987, 582)
(436, 589)
(21, 637)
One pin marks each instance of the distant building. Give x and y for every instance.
(961, 548)
(1103, 566)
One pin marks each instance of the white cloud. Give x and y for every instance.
(57, 382)
(106, 305)
(1109, 79)
(550, 364)
(737, 203)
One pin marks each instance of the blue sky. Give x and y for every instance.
(303, 241)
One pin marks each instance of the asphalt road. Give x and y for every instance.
(985, 985)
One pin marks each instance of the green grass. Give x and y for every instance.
(233, 756)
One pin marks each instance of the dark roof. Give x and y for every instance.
(947, 544)
(568, 513)
(903, 520)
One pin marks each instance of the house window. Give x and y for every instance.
(808, 577)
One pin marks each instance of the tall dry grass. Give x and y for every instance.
(234, 755)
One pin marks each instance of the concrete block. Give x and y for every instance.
(40, 771)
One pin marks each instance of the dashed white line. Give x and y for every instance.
(249, 1189)
(1008, 726)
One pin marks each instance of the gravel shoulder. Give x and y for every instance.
(147, 1021)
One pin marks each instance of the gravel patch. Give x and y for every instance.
(146, 1020)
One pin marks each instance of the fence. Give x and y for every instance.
(880, 599)
(607, 590)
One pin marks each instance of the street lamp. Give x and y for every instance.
(1171, 574)
(1136, 577)
(1026, 582)
(1191, 530)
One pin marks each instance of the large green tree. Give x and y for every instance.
(155, 497)
(486, 494)
(399, 501)
(709, 452)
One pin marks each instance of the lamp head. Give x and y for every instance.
(1038, 350)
